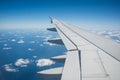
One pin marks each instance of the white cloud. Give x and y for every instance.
(44, 62)
(40, 36)
(22, 62)
(9, 68)
(118, 41)
(20, 41)
(7, 48)
(37, 36)
(107, 36)
(30, 49)
(32, 42)
(1, 41)
(5, 44)
(48, 37)
(34, 56)
(48, 43)
(112, 34)
(13, 40)
(41, 44)
(101, 32)
(2, 35)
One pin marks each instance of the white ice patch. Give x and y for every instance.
(7, 48)
(9, 68)
(22, 62)
(44, 62)
(21, 41)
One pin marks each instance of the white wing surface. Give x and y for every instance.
(89, 56)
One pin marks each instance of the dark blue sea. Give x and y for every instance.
(25, 52)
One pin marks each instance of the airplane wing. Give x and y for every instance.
(89, 56)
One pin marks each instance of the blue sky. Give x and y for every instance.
(35, 13)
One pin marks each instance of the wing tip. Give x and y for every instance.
(51, 18)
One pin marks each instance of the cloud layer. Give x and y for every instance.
(113, 34)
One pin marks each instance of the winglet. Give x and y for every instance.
(51, 18)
